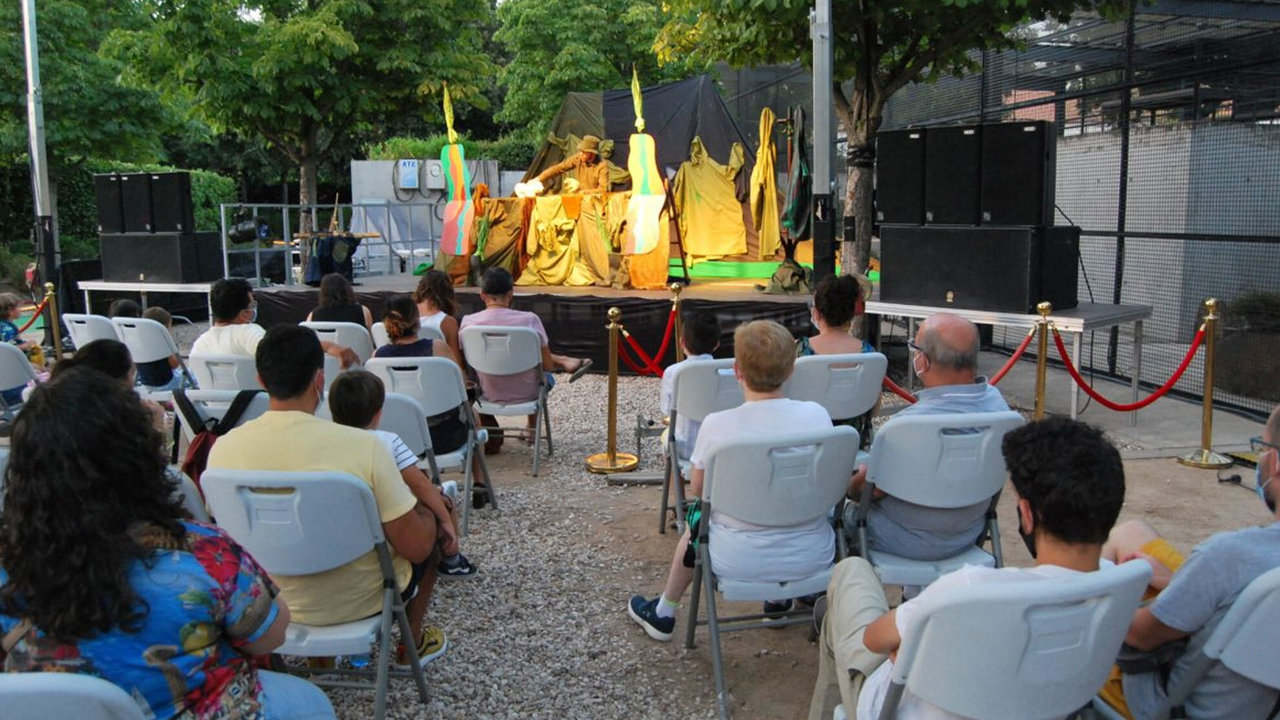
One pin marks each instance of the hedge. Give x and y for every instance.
(512, 152)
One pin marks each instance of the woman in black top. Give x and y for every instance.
(338, 303)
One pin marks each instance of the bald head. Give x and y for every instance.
(1271, 432)
(950, 344)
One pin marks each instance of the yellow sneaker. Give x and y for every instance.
(434, 643)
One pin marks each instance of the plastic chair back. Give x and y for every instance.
(286, 520)
(702, 387)
(45, 695)
(84, 329)
(214, 404)
(1018, 650)
(846, 385)
(349, 335)
(225, 372)
(495, 350)
(783, 481)
(15, 369)
(1245, 639)
(941, 461)
(435, 382)
(403, 416)
(380, 336)
(148, 340)
(189, 495)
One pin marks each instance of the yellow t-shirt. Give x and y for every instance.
(298, 441)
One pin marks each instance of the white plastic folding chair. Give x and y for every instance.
(189, 495)
(846, 385)
(1244, 642)
(788, 481)
(944, 461)
(4, 465)
(15, 371)
(495, 350)
(225, 372)
(435, 384)
(286, 520)
(700, 387)
(45, 695)
(212, 405)
(380, 336)
(349, 335)
(84, 329)
(148, 341)
(1018, 651)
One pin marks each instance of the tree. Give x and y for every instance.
(303, 75)
(577, 45)
(880, 45)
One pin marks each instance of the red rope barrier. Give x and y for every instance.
(666, 337)
(626, 359)
(34, 315)
(1128, 407)
(1013, 358)
(897, 389)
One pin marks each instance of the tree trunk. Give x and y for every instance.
(861, 117)
(307, 180)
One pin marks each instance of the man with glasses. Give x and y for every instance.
(234, 329)
(1191, 596)
(944, 355)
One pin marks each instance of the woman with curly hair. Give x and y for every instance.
(338, 303)
(837, 302)
(101, 572)
(436, 307)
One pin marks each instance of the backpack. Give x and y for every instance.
(208, 429)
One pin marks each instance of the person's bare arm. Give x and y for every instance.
(696, 476)
(548, 363)
(274, 635)
(442, 349)
(882, 635)
(449, 327)
(346, 356)
(413, 534)
(368, 318)
(1148, 633)
(856, 483)
(428, 494)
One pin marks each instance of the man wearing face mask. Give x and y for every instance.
(235, 330)
(1191, 596)
(944, 354)
(1069, 484)
(289, 437)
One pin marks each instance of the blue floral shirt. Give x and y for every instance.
(206, 599)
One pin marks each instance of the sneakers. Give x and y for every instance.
(434, 643)
(819, 612)
(776, 611)
(645, 613)
(457, 566)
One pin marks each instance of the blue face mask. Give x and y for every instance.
(1260, 486)
(254, 318)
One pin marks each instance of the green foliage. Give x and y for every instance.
(513, 152)
(1258, 311)
(13, 266)
(578, 45)
(304, 75)
(88, 111)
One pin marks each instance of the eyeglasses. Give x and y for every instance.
(911, 345)
(1259, 446)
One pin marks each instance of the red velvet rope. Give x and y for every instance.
(626, 359)
(1013, 358)
(897, 389)
(666, 337)
(1128, 407)
(34, 315)
(650, 366)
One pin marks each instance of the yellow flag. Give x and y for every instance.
(448, 116)
(636, 99)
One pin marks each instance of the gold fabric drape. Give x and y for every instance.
(711, 221)
(764, 189)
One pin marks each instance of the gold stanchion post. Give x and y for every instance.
(679, 329)
(52, 318)
(612, 461)
(1042, 356)
(1205, 457)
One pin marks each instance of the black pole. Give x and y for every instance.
(47, 259)
(1123, 199)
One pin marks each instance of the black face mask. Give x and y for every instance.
(1028, 539)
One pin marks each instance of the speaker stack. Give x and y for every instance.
(146, 228)
(965, 215)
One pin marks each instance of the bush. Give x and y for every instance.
(512, 152)
(1256, 311)
(13, 267)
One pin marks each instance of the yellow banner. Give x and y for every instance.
(448, 116)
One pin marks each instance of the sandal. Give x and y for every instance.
(582, 369)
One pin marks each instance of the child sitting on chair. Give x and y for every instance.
(163, 374)
(10, 311)
(355, 400)
(699, 336)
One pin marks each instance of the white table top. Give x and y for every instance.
(1082, 318)
(145, 286)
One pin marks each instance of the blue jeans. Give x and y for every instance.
(285, 697)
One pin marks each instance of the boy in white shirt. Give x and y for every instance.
(699, 336)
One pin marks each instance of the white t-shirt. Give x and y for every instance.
(237, 339)
(910, 707)
(432, 321)
(686, 430)
(741, 550)
(400, 452)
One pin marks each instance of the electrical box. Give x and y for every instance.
(407, 174)
(435, 175)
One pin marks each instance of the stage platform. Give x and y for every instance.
(576, 317)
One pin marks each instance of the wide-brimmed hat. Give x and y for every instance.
(589, 143)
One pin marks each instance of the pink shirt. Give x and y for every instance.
(522, 386)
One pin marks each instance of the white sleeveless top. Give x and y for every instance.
(433, 320)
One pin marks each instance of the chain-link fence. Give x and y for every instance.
(1168, 159)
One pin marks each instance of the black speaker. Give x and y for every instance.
(997, 269)
(951, 175)
(1018, 173)
(106, 187)
(135, 194)
(161, 257)
(171, 209)
(900, 158)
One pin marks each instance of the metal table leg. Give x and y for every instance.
(1137, 370)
